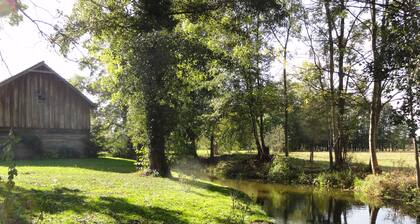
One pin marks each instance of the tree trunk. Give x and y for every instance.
(286, 102)
(375, 109)
(255, 133)
(373, 214)
(265, 150)
(331, 72)
(413, 127)
(212, 149)
(157, 156)
(156, 138)
(264, 153)
(311, 155)
(257, 139)
(338, 150)
(192, 146)
(416, 154)
(330, 146)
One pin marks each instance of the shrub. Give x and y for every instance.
(306, 178)
(283, 170)
(336, 179)
(397, 184)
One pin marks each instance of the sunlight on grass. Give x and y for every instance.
(109, 190)
(385, 159)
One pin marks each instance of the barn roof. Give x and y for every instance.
(42, 67)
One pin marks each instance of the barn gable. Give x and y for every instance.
(43, 68)
(39, 104)
(40, 98)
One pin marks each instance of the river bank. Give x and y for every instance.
(308, 204)
(395, 187)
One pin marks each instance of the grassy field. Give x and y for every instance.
(109, 190)
(386, 159)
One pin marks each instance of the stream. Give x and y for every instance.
(305, 204)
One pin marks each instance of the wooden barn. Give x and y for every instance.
(48, 114)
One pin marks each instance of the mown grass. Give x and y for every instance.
(109, 190)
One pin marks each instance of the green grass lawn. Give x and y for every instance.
(109, 190)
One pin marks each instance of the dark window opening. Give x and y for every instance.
(41, 96)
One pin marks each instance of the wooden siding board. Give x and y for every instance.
(27, 105)
(62, 108)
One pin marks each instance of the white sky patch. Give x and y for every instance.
(23, 46)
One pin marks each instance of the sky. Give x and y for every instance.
(22, 46)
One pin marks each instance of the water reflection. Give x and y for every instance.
(299, 204)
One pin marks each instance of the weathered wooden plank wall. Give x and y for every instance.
(42, 100)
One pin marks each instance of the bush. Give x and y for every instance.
(335, 179)
(283, 170)
(306, 178)
(388, 186)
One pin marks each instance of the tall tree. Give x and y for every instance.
(137, 38)
(380, 72)
(283, 34)
(375, 108)
(330, 23)
(403, 59)
(142, 43)
(240, 36)
(337, 26)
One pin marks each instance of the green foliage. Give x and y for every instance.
(92, 149)
(390, 186)
(283, 169)
(275, 139)
(169, 73)
(238, 166)
(8, 146)
(142, 158)
(335, 179)
(10, 212)
(8, 155)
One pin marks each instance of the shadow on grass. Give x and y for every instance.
(99, 164)
(226, 191)
(203, 185)
(119, 210)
